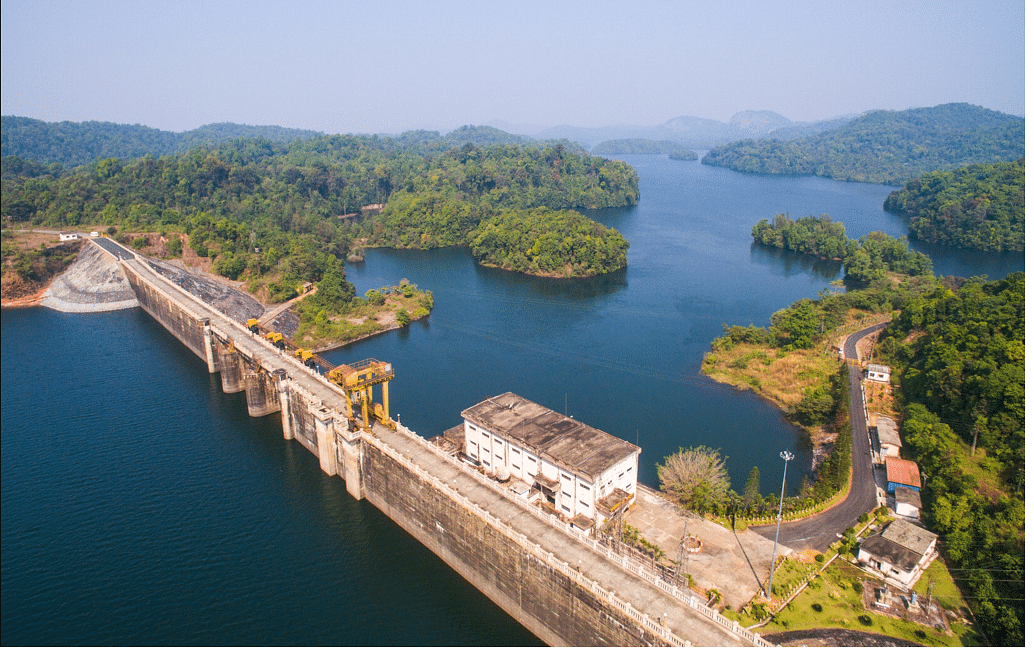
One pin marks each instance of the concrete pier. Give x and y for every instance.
(563, 586)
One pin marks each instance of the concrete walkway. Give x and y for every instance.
(737, 564)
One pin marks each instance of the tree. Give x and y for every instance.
(750, 489)
(696, 478)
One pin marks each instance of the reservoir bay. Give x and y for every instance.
(141, 505)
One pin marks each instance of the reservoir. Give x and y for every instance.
(141, 505)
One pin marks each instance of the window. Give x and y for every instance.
(584, 504)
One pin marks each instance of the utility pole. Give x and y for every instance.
(787, 456)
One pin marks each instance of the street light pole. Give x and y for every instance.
(787, 456)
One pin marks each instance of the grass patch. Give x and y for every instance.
(944, 589)
(837, 603)
(780, 376)
(788, 575)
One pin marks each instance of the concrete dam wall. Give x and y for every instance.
(567, 590)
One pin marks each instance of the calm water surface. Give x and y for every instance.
(141, 505)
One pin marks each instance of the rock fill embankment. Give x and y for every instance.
(236, 305)
(94, 282)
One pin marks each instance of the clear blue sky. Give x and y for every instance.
(387, 66)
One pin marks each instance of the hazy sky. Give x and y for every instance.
(387, 66)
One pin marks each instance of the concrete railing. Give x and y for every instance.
(648, 573)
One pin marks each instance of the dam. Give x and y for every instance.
(564, 586)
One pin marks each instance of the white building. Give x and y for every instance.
(584, 473)
(899, 553)
(68, 236)
(874, 372)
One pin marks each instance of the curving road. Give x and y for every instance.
(819, 531)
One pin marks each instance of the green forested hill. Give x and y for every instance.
(885, 146)
(960, 355)
(979, 206)
(71, 144)
(77, 143)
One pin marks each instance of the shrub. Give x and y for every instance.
(112, 230)
(817, 607)
(865, 619)
(820, 558)
(402, 317)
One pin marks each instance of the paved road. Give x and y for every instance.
(115, 249)
(819, 531)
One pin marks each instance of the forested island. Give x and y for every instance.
(865, 260)
(883, 146)
(978, 206)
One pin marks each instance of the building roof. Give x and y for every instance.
(887, 550)
(908, 497)
(900, 543)
(904, 472)
(887, 431)
(567, 442)
(882, 369)
(909, 536)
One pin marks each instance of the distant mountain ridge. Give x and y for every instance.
(699, 132)
(884, 146)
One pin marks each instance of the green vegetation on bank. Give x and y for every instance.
(960, 351)
(979, 206)
(865, 260)
(882, 146)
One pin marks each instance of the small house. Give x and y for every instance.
(907, 503)
(899, 553)
(583, 473)
(887, 438)
(876, 372)
(902, 474)
(68, 236)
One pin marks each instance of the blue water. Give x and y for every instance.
(141, 505)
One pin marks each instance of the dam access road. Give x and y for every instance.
(566, 588)
(819, 531)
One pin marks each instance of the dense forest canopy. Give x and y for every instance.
(960, 354)
(865, 260)
(71, 144)
(884, 146)
(267, 209)
(979, 206)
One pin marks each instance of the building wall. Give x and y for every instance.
(576, 494)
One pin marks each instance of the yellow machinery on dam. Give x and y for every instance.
(358, 379)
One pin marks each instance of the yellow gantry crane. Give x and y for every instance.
(358, 380)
